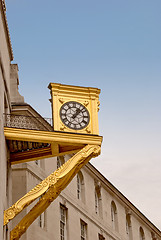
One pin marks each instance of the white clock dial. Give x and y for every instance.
(74, 115)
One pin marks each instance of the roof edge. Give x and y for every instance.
(3, 10)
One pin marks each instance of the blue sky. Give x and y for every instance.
(113, 45)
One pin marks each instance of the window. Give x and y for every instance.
(60, 161)
(5, 232)
(128, 227)
(101, 237)
(83, 230)
(37, 162)
(142, 236)
(114, 216)
(5, 104)
(98, 200)
(63, 212)
(153, 236)
(41, 218)
(80, 186)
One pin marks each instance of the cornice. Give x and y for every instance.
(72, 90)
(51, 137)
(4, 17)
(25, 107)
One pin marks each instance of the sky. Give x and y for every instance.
(114, 45)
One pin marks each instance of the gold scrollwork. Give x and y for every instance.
(27, 199)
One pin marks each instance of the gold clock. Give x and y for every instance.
(75, 109)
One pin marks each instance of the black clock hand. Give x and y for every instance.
(76, 113)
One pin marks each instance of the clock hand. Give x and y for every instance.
(76, 113)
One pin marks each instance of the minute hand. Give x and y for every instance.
(76, 113)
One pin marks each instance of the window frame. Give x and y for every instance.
(141, 234)
(128, 227)
(96, 202)
(63, 222)
(114, 217)
(101, 237)
(41, 218)
(79, 188)
(60, 161)
(83, 230)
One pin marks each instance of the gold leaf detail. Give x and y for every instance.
(62, 127)
(86, 103)
(61, 100)
(98, 104)
(88, 130)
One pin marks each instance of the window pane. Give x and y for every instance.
(101, 237)
(62, 222)
(78, 187)
(83, 230)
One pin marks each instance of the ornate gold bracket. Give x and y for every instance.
(50, 187)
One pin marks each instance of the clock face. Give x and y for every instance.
(74, 115)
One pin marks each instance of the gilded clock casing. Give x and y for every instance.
(87, 96)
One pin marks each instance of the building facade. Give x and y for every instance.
(6, 57)
(90, 208)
